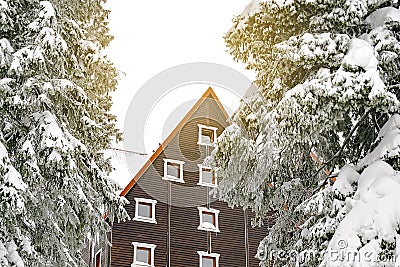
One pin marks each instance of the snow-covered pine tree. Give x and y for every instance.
(356, 221)
(328, 79)
(55, 123)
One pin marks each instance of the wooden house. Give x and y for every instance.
(175, 221)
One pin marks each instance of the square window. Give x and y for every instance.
(143, 255)
(145, 210)
(207, 176)
(207, 135)
(208, 259)
(173, 170)
(208, 219)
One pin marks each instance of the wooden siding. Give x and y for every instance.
(185, 238)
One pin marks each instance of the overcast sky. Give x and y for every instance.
(152, 36)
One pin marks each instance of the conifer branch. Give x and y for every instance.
(339, 152)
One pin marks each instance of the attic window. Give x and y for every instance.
(173, 170)
(208, 259)
(143, 255)
(145, 210)
(208, 219)
(207, 135)
(207, 176)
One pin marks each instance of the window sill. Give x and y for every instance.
(207, 185)
(206, 144)
(215, 230)
(144, 219)
(141, 265)
(173, 179)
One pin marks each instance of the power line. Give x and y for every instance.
(129, 151)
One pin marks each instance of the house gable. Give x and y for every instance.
(208, 103)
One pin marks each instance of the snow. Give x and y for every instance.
(28, 53)
(54, 137)
(312, 46)
(389, 145)
(361, 54)
(3, 6)
(369, 176)
(12, 175)
(26, 245)
(5, 52)
(378, 86)
(63, 83)
(280, 3)
(252, 8)
(375, 213)
(47, 16)
(347, 176)
(52, 133)
(88, 121)
(55, 156)
(48, 11)
(13, 255)
(88, 45)
(392, 124)
(14, 178)
(379, 17)
(49, 38)
(3, 251)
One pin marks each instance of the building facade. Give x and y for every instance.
(174, 219)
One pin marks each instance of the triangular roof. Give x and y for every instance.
(209, 93)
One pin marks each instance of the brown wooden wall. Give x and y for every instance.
(186, 239)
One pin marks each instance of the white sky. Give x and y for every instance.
(152, 36)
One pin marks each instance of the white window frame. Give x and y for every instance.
(206, 254)
(214, 129)
(201, 182)
(170, 177)
(153, 210)
(95, 255)
(216, 214)
(143, 245)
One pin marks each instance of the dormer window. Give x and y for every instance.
(145, 210)
(207, 176)
(207, 135)
(208, 219)
(173, 170)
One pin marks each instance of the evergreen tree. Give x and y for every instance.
(55, 123)
(327, 80)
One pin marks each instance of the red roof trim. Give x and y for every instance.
(209, 92)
